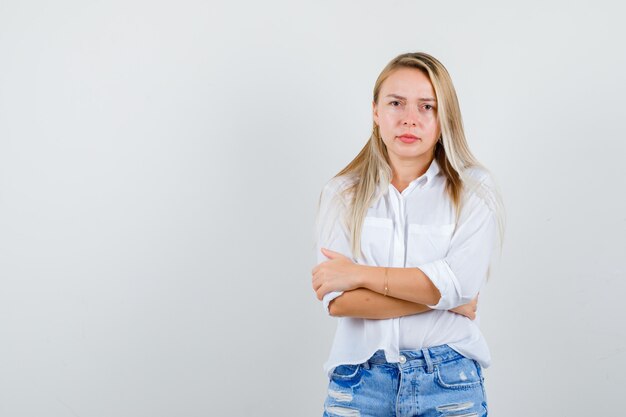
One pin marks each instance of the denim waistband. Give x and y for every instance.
(419, 357)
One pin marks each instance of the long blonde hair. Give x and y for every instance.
(371, 167)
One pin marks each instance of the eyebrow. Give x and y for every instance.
(404, 98)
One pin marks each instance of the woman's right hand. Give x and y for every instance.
(468, 310)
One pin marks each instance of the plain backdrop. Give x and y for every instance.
(160, 165)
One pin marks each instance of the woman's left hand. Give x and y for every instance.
(339, 273)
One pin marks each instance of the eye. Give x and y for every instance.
(395, 103)
(428, 107)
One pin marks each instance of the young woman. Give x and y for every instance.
(405, 234)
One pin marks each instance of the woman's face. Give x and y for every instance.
(406, 115)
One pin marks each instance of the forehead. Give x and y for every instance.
(407, 82)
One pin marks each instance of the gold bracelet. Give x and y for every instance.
(386, 281)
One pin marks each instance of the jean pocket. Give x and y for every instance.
(461, 373)
(345, 372)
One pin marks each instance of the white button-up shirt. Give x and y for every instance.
(414, 228)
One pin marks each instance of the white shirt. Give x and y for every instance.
(414, 229)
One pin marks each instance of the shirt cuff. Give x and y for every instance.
(443, 278)
(328, 298)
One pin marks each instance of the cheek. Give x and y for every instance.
(388, 120)
(430, 118)
(432, 124)
(387, 128)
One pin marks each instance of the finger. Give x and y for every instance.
(317, 277)
(330, 253)
(320, 294)
(317, 271)
(323, 290)
(316, 284)
(317, 267)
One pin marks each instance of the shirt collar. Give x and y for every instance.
(430, 173)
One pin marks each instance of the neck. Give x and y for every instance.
(405, 171)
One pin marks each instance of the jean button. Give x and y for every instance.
(402, 359)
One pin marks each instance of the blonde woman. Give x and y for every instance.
(405, 234)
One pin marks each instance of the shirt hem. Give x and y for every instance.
(330, 368)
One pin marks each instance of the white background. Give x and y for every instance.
(160, 164)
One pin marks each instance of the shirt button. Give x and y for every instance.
(402, 359)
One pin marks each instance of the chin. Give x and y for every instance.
(409, 155)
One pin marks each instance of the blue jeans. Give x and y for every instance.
(435, 381)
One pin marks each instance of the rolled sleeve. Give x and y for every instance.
(331, 232)
(460, 275)
(328, 298)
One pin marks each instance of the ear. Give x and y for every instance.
(375, 112)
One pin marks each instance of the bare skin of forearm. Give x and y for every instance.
(410, 284)
(367, 304)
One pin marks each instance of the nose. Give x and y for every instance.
(410, 117)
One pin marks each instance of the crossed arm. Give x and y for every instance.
(409, 291)
(366, 304)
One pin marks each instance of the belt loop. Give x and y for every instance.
(429, 361)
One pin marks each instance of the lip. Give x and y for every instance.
(408, 138)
